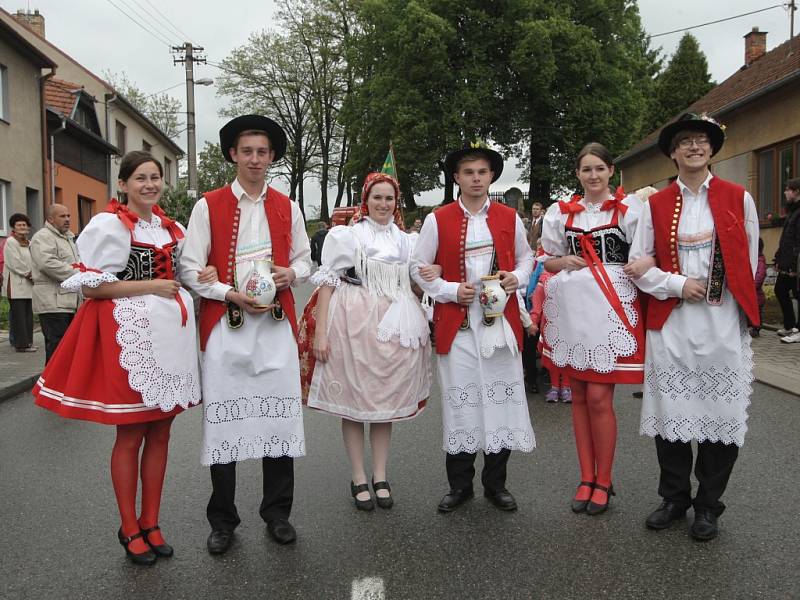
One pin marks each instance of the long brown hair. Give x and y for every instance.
(132, 161)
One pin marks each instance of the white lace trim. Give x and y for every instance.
(602, 357)
(498, 335)
(730, 387)
(490, 441)
(326, 276)
(497, 392)
(158, 387)
(254, 446)
(405, 322)
(75, 282)
(382, 278)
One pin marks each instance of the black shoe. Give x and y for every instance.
(162, 550)
(665, 515)
(502, 499)
(281, 531)
(355, 490)
(704, 527)
(145, 558)
(532, 386)
(455, 498)
(579, 506)
(219, 541)
(593, 508)
(382, 485)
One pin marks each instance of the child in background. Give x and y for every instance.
(760, 275)
(559, 381)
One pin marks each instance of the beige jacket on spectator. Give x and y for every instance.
(17, 265)
(53, 255)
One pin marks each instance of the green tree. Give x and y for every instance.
(176, 201)
(213, 171)
(682, 82)
(162, 109)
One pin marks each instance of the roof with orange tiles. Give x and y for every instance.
(61, 95)
(776, 68)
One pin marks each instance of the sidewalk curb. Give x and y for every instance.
(17, 388)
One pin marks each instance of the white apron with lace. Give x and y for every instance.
(379, 255)
(699, 366)
(251, 375)
(151, 338)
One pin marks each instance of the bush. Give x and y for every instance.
(4, 313)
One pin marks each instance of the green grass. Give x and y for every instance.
(4, 313)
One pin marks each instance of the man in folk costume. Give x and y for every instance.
(251, 375)
(480, 369)
(703, 232)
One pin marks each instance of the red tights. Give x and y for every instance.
(125, 475)
(595, 426)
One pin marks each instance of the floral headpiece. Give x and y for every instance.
(369, 182)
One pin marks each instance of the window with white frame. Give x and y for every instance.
(4, 93)
(5, 194)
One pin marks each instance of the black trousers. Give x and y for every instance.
(20, 322)
(713, 468)
(54, 326)
(276, 503)
(461, 470)
(529, 358)
(785, 289)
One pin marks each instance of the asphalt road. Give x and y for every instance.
(59, 518)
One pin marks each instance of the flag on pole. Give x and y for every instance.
(389, 164)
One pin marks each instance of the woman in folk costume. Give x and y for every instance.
(594, 328)
(128, 359)
(483, 394)
(703, 232)
(364, 341)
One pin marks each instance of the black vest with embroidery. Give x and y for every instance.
(146, 262)
(608, 241)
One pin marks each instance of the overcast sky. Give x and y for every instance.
(101, 37)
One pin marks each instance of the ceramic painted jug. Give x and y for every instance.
(493, 297)
(261, 286)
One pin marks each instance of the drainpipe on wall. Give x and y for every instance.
(61, 128)
(108, 99)
(45, 173)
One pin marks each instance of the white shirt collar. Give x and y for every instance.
(483, 211)
(683, 187)
(238, 191)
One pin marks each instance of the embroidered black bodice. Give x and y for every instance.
(608, 241)
(146, 262)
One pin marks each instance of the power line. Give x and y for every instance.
(718, 20)
(149, 18)
(164, 90)
(180, 33)
(142, 27)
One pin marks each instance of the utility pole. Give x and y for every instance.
(792, 9)
(188, 59)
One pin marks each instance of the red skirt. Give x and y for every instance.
(84, 379)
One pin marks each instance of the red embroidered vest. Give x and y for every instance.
(727, 208)
(223, 216)
(450, 255)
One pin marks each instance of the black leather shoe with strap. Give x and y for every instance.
(579, 506)
(387, 502)
(595, 508)
(146, 558)
(162, 550)
(355, 490)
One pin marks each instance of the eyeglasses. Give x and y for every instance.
(686, 143)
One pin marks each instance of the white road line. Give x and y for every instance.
(367, 588)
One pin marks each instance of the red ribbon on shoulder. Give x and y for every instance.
(573, 206)
(616, 202)
(130, 218)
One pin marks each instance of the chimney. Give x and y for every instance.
(755, 46)
(32, 20)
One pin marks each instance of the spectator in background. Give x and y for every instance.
(786, 262)
(18, 282)
(535, 229)
(53, 253)
(416, 226)
(317, 240)
(2, 278)
(759, 276)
